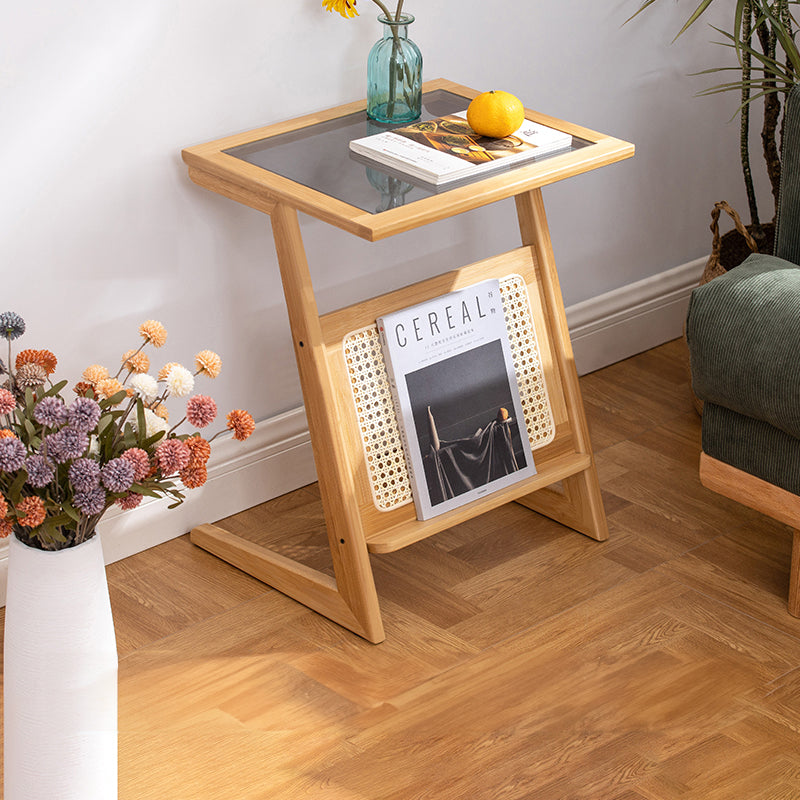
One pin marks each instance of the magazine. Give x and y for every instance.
(458, 408)
(446, 149)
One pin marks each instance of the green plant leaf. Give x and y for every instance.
(141, 423)
(54, 390)
(15, 490)
(70, 511)
(639, 10)
(146, 444)
(145, 490)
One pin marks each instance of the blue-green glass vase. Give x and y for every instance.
(394, 74)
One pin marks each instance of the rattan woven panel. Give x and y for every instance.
(372, 396)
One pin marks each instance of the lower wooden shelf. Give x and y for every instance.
(549, 472)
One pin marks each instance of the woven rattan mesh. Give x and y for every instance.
(372, 396)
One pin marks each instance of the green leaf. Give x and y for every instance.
(697, 13)
(70, 511)
(146, 444)
(55, 389)
(30, 430)
(141, 423)
(15, 490)
(639, 10)
(114, 400)
(146, 491)
(129, 436)
(105, 421)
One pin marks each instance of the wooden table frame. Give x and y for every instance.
(354, 527)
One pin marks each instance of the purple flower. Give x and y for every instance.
(84, 414)
(84, 474)
(117, 475)
(67, 444)
(40, 471)
(12, 326)
(50, 412)
(91, 502)
(12, 454)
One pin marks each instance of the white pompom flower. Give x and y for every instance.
(180, 381)
(154, 423)
(146, 386)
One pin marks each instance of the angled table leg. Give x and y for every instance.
(579, 505)
(351, 598)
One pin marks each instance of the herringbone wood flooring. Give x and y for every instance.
(523, 661)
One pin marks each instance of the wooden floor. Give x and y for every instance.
(523, 661)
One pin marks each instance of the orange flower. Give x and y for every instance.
(3, 507)
(108, 387)
(94, 374)
(44, 358)
(5, 433)
(84, 389)
(208, 363)
(164, 371)
(193, 477)
(241, 423)
(153, 332)
(201, 451)
(161, 411)
(6, 528)
(136, 361)
(31, 512)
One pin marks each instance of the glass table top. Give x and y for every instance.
(318, 157)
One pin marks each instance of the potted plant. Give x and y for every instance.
(66, 459)
(768, 62)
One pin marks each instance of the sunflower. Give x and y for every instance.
(347, 8)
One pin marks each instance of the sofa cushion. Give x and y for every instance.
(752, 446)
(743, 330)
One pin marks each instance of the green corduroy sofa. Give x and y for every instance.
(743, 330)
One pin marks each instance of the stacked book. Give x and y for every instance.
(440, 151)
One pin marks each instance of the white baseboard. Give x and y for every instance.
(632, 319)
(277, 458)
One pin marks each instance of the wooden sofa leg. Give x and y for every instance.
(794, 577)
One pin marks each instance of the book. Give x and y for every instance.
(458, 407)
(446, 149)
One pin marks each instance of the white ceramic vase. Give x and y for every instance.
(60, 676)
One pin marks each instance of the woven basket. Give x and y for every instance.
(715, 266)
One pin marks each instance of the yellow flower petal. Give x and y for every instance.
(347, 8)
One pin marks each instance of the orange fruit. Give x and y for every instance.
(495, 113)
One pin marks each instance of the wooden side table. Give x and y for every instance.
(304, 165)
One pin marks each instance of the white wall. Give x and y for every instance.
(100, 227)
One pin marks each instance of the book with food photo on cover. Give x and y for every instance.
(458, 407)
(446, 149)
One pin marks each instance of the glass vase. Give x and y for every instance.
(394, 74)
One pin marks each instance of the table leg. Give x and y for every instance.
(579, 505)
(351, 599)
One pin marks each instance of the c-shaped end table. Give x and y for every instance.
(304, 165)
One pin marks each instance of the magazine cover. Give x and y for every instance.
(452, 375)
(447, 149)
